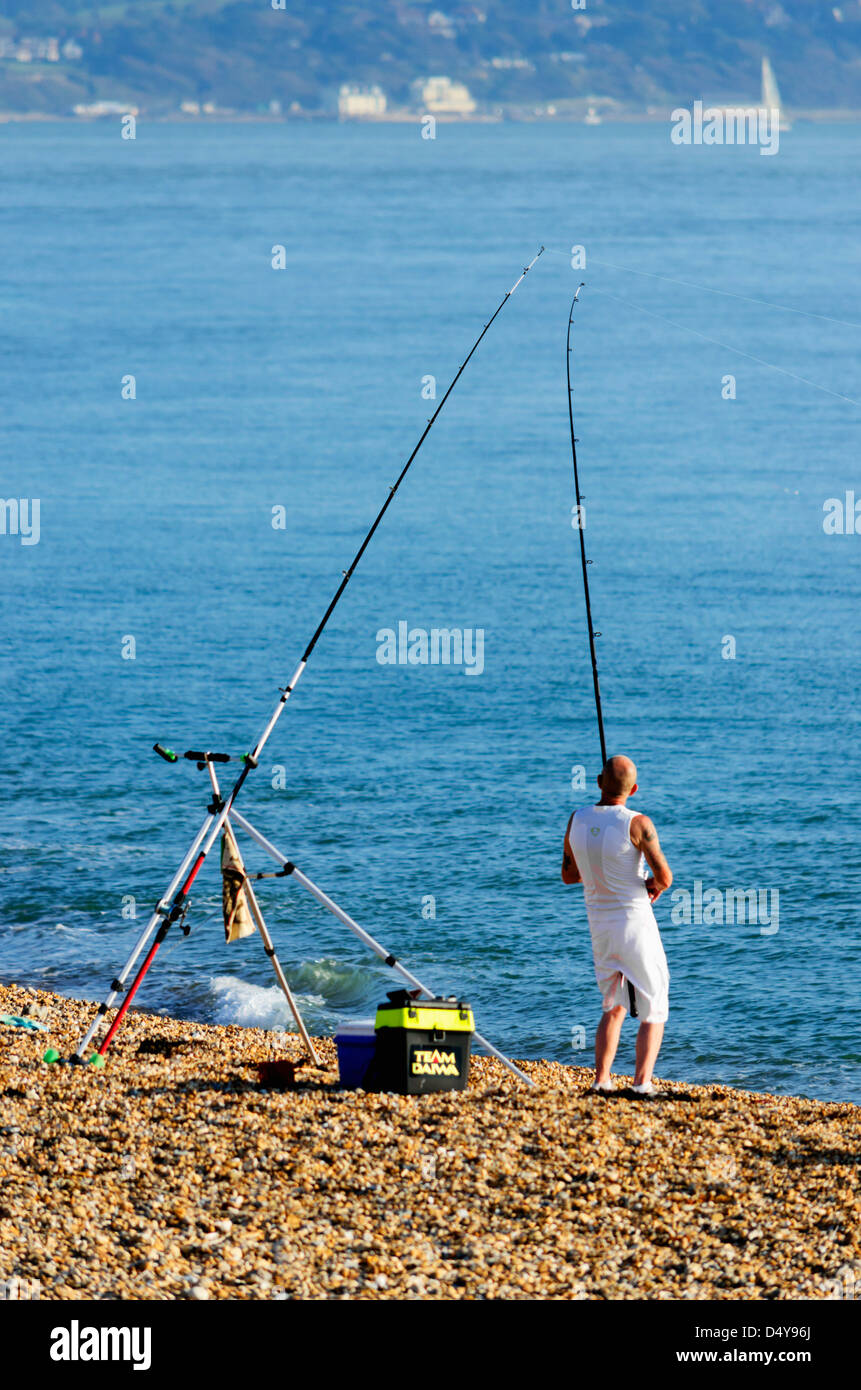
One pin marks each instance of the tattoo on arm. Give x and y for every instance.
(649, 835)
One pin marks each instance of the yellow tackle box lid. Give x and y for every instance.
(401, 1010)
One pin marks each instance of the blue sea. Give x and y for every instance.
(161, 603)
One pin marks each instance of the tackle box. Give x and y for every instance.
(422, 1045)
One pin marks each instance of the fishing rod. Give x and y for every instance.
(173, 905)
(581, 528)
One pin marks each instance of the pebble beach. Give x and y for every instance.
(174, 1173)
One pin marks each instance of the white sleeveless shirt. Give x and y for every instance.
(613, 871)
(626, 942)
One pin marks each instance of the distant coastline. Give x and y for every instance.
(823, 116)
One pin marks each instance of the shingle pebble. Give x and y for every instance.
(171, 1174)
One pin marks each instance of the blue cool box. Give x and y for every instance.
(356, 1044)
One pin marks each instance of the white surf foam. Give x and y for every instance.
(256, 1006)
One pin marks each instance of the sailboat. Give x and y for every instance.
(771, 93)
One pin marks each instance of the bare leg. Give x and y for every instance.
(606, 1042)
(649, 1039)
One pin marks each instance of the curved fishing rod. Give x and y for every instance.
(580, 526)
(172, 907)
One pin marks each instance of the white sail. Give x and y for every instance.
(770, 90)
(771, 93)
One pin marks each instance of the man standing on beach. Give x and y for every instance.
(605, 848)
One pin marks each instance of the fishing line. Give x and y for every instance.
(711, 289)
(727, 347)
(728, 294)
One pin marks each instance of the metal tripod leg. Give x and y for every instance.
(261, 927)
(270, 951)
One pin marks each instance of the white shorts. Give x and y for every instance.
(629, 950)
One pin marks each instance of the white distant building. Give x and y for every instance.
(72, 51)
(505, 63)
(442, 97)
(357, 103)
(190, 108)
(104, 108)
(32, 50)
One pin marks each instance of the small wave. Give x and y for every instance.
(340, 984)
(257, 1006)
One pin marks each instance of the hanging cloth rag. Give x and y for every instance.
(238, 921)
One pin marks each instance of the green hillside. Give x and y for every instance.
(244, 54)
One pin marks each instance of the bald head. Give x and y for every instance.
(619, 777)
